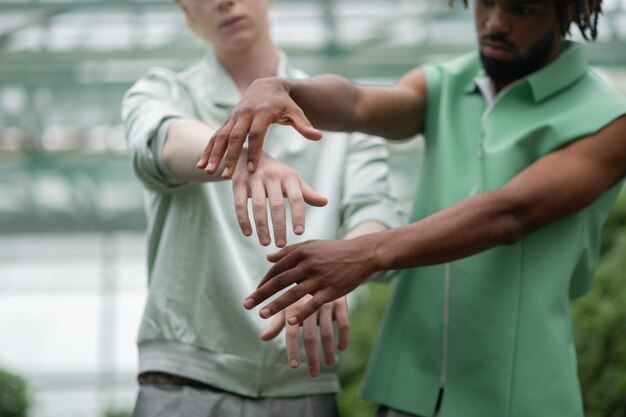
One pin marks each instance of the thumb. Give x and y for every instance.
(303, 126)
(311, 196)
(275, 327)
(277, 256)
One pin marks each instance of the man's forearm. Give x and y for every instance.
(328, 101)
(463, 229)
(185, 141)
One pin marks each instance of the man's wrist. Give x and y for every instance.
(379, 254)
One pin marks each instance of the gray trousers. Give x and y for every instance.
(164, 400)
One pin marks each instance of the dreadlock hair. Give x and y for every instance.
(582, 12)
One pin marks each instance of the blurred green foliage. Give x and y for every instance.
(14, 399)
(599, 331)
(117, 412)
(600, 325)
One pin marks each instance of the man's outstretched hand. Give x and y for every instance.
(266, 101)
(271, 182)
(325, 269)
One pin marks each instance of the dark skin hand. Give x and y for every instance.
(555, 186)
(391, 112)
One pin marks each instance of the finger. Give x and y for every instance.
(318, 300)
(204, 158)
(310, 345)
(340, 312)
(292, 342)
(296, 202)
(240, 193)
(285, 263)
(218, 144)
(311, 196)
(327, 335)
(259, 211)
(277, 256)
(274, 328)
(272, 285)
(284, 301)
(299, 121)
(235, 143)
(256, 137)
(277, 210)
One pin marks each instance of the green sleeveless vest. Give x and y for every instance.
(492, 332)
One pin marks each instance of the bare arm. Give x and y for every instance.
(184, 142)
(329, 101)
(556, 186)
(334, 103)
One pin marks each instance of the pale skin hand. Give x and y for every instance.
(336, 310)
(271, 182)
(555, 186)
(184, 143)
(329, 102)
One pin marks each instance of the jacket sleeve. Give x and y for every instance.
(148, 109)
(368, 194)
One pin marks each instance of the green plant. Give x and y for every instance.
(117, 412)
(365, 319)
(600, 325)
(14, 399)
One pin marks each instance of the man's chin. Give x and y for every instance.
(503, 71)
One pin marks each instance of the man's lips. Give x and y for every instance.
(232, 21)
(497, 50)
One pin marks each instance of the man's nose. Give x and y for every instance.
(497, 21)
(224, 5)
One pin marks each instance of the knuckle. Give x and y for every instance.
(326, 336)
(298, 199)
(315, 304)
(258, 203)
(276, 203)
(309, 339)
(240, 202)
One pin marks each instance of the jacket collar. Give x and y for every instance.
(567, 68)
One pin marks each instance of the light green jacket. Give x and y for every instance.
(201, 266)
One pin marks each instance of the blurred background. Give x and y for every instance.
(72, 253)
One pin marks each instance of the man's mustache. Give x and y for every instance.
(499, 38)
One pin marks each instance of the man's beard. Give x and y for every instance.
(506, 71)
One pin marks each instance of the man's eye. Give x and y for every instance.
(524, 10)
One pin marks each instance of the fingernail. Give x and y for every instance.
(247, 232)
(280, 243)
(299, 230)
(330, 362)
(265, 242)
(210, 166)
(293, 321)
(315, 373)
(248, 303)
(294, 363)
(199, 164)
(250, 166)
(226, 172)
(265, 313)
